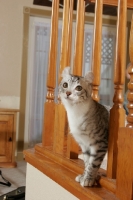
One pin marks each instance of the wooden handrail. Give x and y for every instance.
(115, 3)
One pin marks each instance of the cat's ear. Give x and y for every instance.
(89, 77)
(66, 71)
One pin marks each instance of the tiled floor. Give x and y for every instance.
(16, 176)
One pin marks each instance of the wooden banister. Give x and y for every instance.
(49, 108)
(57, 156)
(117, 113)
(96, 55)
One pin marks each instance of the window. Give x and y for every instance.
(39, 38)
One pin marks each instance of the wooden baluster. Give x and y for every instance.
(96, 56)
(79, 39)
(49, 110)
(61, 124)
(72, 146)
(71, 2)
(124, 181)
(117, 113)
(70, 140)
(130, 84)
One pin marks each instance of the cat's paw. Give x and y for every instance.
(85, 181)
(78, 178)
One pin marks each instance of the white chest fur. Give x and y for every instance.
(75, 115)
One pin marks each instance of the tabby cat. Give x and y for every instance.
(88, 122)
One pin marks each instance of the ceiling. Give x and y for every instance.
(107, 10)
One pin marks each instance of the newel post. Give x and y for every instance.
(124, 181)
(117, 113)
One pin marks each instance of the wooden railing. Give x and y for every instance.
(58, 148)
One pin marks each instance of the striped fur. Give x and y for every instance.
(88, 122)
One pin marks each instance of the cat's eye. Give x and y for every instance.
(65, 85)
(78, 88)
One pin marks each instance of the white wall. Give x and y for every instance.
(11, 38)
(11, 34)
(40, 187)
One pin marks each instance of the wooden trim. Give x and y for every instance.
(8, 164)
(38, 12)
(23, 79)
(65, 177)
(9, 110)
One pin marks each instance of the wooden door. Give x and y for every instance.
(6, 138)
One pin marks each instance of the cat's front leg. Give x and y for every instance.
(92, 165)
(86, 178)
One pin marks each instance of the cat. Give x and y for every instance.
(88, 122)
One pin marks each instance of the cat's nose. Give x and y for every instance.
(68, 93)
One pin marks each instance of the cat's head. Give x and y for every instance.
(75, 89)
